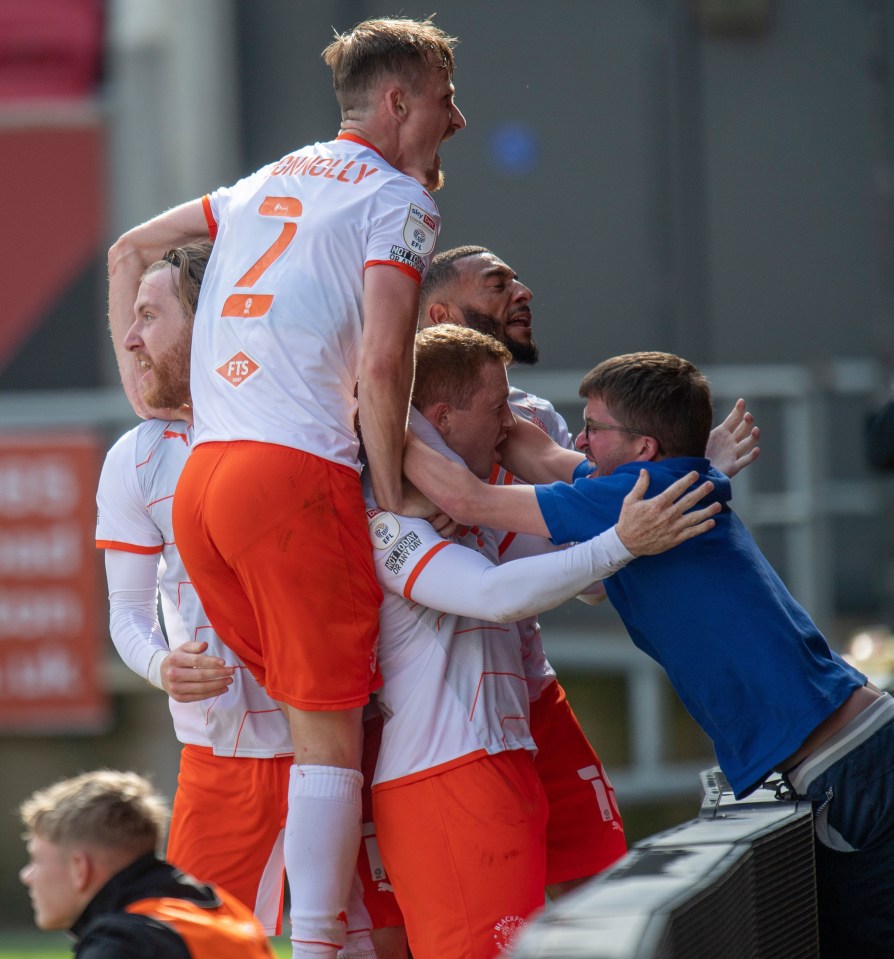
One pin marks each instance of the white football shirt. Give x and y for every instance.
(277, 336)
(134, 499)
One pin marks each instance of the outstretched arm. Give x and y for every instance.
(462, 581)
(733, 444)
(465, 498)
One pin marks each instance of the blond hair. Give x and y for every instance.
(400, 48)
(115, 810)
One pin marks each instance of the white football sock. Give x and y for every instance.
(321, 844)
(358, 944)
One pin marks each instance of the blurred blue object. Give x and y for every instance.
(515, 148)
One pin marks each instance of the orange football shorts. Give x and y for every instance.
(276, 544)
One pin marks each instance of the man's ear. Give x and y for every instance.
(395, 103)
(438, 313)
(444, 313)
(438, 414)
(82, 869)
(650, 449)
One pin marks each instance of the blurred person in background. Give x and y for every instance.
(95, 872)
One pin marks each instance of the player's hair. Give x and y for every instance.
(379, 48)
(658, 394)
(443, 272)
(190, 260)
(449, 361)
(114, 810)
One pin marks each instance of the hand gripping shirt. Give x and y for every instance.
(748, 663)
(277, 335)
(136, 491)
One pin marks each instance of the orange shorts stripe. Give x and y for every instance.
(584, 834)
(465, 853)
(226, 823)
(275, 541)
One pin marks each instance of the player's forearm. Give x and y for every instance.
(384, 398)
(125, 268)
(390, 309)
(532, 455)
(133, 613)
(465, 498)
(465, 583)
(136, 633)
(128, 258)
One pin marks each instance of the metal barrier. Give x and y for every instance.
(736, 882)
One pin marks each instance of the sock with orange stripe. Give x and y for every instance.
(358, 942)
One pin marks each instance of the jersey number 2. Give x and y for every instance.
(258, 304)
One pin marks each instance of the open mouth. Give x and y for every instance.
(522, 320)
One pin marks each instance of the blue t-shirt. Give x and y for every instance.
(746, 660)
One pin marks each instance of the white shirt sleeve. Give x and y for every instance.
(122, 520)
(133, 617)
(462, 581)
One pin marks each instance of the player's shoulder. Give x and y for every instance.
(523, 398)
(127, 448)
(163, 437)
(541, 412)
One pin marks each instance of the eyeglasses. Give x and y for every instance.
(591, 426)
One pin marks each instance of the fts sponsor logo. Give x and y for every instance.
(237, 369)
